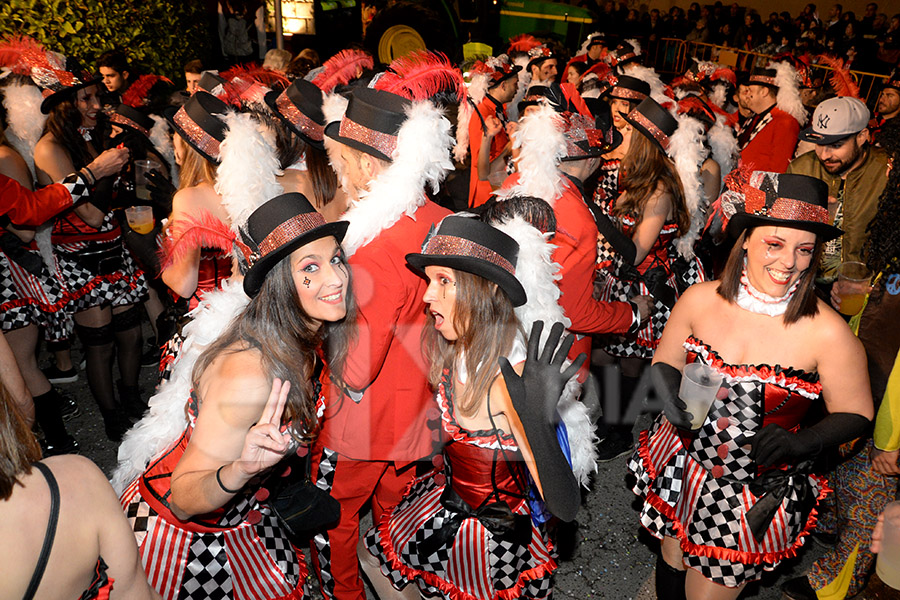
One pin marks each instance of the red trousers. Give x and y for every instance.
(352, 483)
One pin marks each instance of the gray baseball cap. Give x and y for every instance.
(836, 119)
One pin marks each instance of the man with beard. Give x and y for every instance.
(854, 171)
(886, 110)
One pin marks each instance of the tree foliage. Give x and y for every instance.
(159, 36)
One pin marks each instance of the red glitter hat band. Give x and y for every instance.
(791, 209)
(200, 138)
(289, 110)
(288, 232)
(627, 94)
(451, 245)
(383, 142)
(762, 79)
(651, 128)
(123, 120)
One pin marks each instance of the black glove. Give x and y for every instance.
(666, 382)
(774, 445)
(161, 193)
(535, 396)
(620, 242)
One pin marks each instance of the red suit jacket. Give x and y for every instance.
(386, 361)
(30, 209)
(576, 253)
(771, 148)
(480, 191)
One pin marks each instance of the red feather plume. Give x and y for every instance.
(420, 75)
(255, 73)
(522, 43)
(191, 233)
(21, 54)
(136, 94)
(601, 69)
(841, 79)
(342, 68)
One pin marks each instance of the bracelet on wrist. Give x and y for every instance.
(222, 485)
(87, 175)
(91, 173)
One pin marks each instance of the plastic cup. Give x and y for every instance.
(699, 385)
(858, 274)
(140, 218)
(141, 168)
(888, 565)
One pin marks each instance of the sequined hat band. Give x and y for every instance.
(627, 94)
(451, 245)
(655, 132)
(382, 142)
(199, 137)
(289, 231)
(123, 120)
(289, 110)
(762, 79)
(791, 209)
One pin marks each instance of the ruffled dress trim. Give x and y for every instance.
(483, 438)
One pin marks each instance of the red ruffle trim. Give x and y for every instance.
(42, 306)
(728, 554)
(809, 382)
(454, 593)
(459, 434)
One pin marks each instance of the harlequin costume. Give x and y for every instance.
(374, 430)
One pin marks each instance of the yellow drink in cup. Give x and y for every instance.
(856, 276)
(140, 218)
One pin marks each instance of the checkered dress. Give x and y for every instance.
(617, 281)
(473, 563)
(238, 551)
(33, 299)
(697, 489)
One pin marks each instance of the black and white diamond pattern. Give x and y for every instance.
(716, 520)
(742, 413)
(207, 575)
(278, 547)
(122, 288)
(324, 480)
(508, 560)
(724, 572)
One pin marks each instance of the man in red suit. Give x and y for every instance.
(768, 139)
(375, 429)
(502, 83)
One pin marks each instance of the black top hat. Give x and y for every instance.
(760, 76)
(276, 229)
(653, 121)
(538, 55)
(131, 118)
(589, 138)
(625, 87)
(199, 123)
(300, 107)
(625, 53)
(210, 81)
(371, 123)
(469, 245)
(787, 200)
(65, 88)
(597, 38)
(894, 80)
(551, 94)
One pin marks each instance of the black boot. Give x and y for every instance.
(115, 423)
(47, 413)
(669, 581)
(131, 401)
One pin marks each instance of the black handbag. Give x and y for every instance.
(301, 507)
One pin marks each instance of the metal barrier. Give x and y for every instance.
(673, 56)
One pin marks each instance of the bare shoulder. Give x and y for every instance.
(236, 384)
(198, 198)
(828, 329)
(701, 294)
(75, 472)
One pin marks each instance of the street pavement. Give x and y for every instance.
(614, 557)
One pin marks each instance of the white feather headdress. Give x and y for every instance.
(652, 78)
(512, 109)
(541, 144)
(687, 151)
(724, 146)
(422, 158)
(333, 107)
(26, 122)
(162, 141)
(788, 98)
(584, 45)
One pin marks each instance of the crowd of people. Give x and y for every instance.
(870, 42)
(394, 287)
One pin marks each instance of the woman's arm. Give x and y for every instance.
(654, 217)
(52, 163)
(182, 276)
(237, 434)
(841, 363)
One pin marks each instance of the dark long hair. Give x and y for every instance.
(486, 326)
(882, 248)
(63, 122)
(643, 169)
(803, 303)
(18, 446)
(275, 324)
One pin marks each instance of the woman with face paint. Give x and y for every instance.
(465, 530)
(734, 497)
(256, 396)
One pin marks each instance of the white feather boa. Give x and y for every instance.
(463, 115)
(333, 107)
(246, 175)
(422, 158)
(719, 95)
(26, 122)
(788, 98)
(687, 151)
(651, 77)
(537, 273)
(541, 145)
(724, 146)
(166, 419)
(512, 108)
(162, 141)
